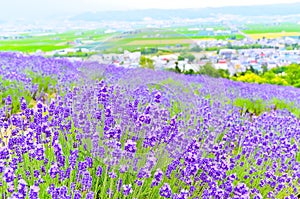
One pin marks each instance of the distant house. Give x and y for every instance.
(289, 52)
(253, 62)
(78, 41)
(257, 67)
(170, 57)
(227, 53)
(222, 61)
(84, 50)
(132, 57)
(222, 64)
(271, 65)
(203, 62)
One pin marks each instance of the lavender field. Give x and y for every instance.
(72, 130)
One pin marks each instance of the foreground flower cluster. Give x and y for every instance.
(134, 133)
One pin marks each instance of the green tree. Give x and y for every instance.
(188, 56)
(196, 49)
(253, 70)
(146, 63)
(269, 75)
(189, 72)
(229, 45)
(209, 70)
(265, 68)
(177, 69)
(191, 57)
(292, 74)
(180, 58)
(278, 70)
(224, 73)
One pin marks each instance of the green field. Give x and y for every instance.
(160, 39)
(51, 42)
(32, 47)
(143, 38)
(271, 28)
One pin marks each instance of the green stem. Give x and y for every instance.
(139, 192)
(104, 183)
(96, 188)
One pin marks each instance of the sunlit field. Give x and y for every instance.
(273, 35)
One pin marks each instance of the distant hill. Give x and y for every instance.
(135, 15)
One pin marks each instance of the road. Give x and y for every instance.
(234, 28)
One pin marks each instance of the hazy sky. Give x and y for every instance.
(11, 9)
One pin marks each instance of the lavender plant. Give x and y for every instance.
(109, 132)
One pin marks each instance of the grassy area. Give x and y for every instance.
(133, 48)
(166, 37)
(144, 38)
(51, 42)
(16, 89)
(260, 106)
(77, 54)
(139, 42)
(271, 28)
(32, 48)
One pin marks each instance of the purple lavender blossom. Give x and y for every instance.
(165, 191)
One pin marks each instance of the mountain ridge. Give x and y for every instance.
(192, 13)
